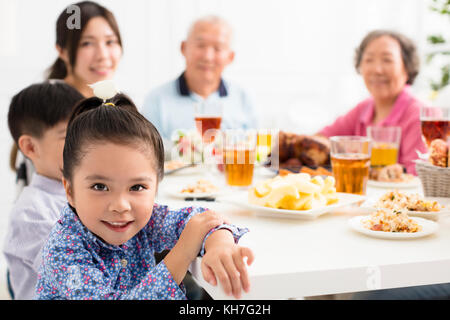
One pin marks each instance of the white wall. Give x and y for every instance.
(294, 56)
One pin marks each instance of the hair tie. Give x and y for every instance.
(104, 90)
(109, 104)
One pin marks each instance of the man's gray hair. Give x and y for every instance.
(212, 19)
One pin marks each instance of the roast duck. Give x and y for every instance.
(297, 150)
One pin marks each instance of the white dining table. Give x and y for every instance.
(296, 258)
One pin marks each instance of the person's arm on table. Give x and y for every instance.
(223, 261)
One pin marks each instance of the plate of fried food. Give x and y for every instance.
(199, 189)
(392, 224)
(319, 171)
(392, 176)
(414, 204)
(173, 166)
(295, 195)
(295, 151)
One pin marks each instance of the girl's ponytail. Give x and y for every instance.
(115, 120)
(120, 100)
(85, 105)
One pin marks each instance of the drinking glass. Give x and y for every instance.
(239, 156)
(435, 123)
(263, 144)
(350, 161)
(385, 145)
(208, 118)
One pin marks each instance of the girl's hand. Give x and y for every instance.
(190, 242)
(224, 262)
(191, 239)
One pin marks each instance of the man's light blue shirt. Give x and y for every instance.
(172, 106)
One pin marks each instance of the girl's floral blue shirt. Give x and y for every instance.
(78, 265)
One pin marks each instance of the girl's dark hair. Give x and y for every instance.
(94, 121)
(69, 38)
(409, 53)
(39, 107)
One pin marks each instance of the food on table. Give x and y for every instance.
(188, 145)
(173, 164)
(296, 150)
(439, 153)
(294, 191)
(201, 186)
(390, 173)
(320, 171)
(401, 201)
(284, 172)
(389, 220)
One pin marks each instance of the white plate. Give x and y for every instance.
(345, 199)
(171, 171)
(369, 207)
(188, 170)
(428, 227)
(183, 195)
(414, 183)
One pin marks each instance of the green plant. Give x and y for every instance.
(441, 7)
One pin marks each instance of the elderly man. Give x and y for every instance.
(207, 51)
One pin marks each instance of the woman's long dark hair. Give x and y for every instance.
(95, 122)
(69, 38)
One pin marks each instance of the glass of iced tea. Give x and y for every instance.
(350, 162)
(385, 145)
(239, 156)
(208, 118)
(435, 123)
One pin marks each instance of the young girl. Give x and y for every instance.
(104, 243)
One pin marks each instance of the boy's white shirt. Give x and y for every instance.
(34, 214)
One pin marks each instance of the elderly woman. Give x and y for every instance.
(388, 63)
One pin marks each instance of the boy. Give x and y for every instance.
(37, 119)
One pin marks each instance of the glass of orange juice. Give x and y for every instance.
(386, 143)
(263, 144)
(239, 156)
(350, 162)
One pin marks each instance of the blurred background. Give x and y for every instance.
(294, 56)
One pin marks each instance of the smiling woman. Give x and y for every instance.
(90, 53)
(87, 53)
(388, 63)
